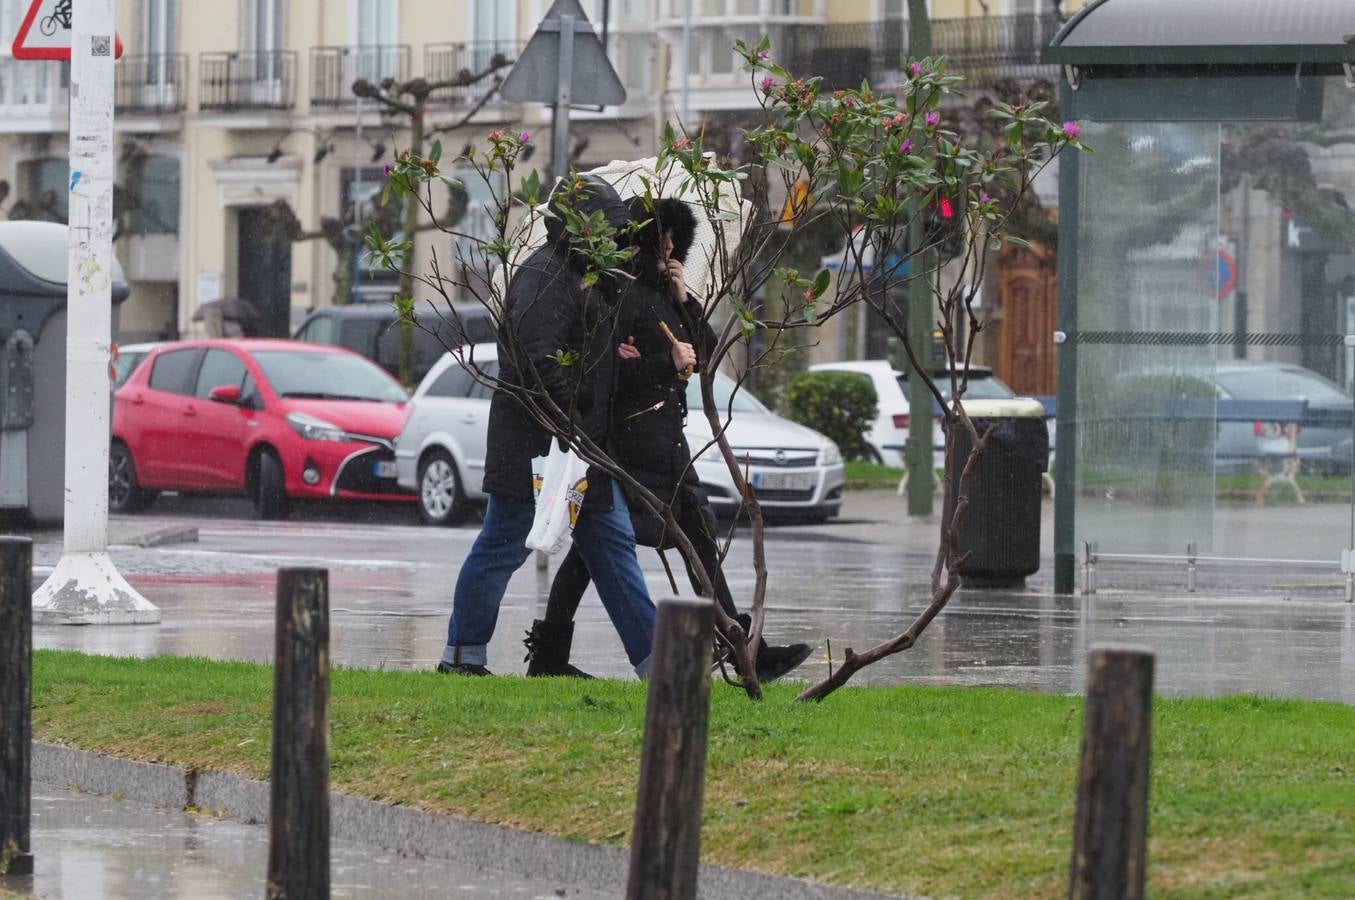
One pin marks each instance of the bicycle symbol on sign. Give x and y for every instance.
(61, 15)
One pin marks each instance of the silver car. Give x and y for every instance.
(1323, 443)
(440, 454)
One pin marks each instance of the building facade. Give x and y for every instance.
(226, 109)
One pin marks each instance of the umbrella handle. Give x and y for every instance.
(672, 339)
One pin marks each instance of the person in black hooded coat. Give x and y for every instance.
(647, 438)
(549, 309)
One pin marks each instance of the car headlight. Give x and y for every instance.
(313, 429)
(829, 454)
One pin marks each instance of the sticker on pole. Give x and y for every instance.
(45, 33)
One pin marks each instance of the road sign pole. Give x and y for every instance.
(560, 123)
(86, 588)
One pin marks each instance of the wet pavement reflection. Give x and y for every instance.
(851, 583)
(87, 846)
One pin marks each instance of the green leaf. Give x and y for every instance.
(436, 153)
(531, 186)
(1018, 242)
(820, 284)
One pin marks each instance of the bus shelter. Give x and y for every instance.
(1207, 295)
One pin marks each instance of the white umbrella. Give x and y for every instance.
(629, 179)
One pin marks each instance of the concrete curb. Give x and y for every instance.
(399, 829)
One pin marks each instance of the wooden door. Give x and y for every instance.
(1029, 294)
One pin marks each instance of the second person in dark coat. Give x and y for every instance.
(647, 437)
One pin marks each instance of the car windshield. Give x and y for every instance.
(723, 389)
(1267, 383)
(982, 386)
(327, 376)
(126, 365)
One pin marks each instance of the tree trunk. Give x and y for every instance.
(411, 231)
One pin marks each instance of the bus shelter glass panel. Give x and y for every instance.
(1216, 288)
(1149, 198)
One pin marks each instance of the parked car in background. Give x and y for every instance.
(890, 430)
(372, 330)
(1323, 443)
(129, 358)
(440, 454)
(271, 419)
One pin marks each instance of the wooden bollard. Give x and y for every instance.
(16, 704)
(298, 836)
(1110, 837)
(666, 847)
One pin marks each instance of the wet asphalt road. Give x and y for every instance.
(851, 582)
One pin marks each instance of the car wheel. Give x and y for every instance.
(124, 491)
(440, 499)
(270, 488)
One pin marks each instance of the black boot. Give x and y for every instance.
(775, 662)
(548, 646)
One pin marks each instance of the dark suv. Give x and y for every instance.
(371, 330)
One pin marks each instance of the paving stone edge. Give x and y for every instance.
(399, 829)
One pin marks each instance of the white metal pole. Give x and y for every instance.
(86, 588)
(687, 65)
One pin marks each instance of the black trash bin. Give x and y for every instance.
(33, 260)
(1001, 529)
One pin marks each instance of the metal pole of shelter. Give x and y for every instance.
(560, 122)
(918, 460)
(86, 588)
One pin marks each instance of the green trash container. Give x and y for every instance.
(1001, 529)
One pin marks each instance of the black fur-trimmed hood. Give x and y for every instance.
(674, 215)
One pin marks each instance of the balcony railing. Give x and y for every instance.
(245, 82)
(980, 48)
(154, 84)
(335, 69)
(445, 62)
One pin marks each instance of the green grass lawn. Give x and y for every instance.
(862, 475)
(950, 792)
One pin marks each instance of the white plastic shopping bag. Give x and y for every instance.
(560, 479)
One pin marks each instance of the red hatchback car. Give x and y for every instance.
(276, 420)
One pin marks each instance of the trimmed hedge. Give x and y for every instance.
(840, 405)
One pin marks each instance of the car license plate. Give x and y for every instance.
(783, 481)
(384, 468)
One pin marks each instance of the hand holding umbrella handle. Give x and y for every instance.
(672, 339)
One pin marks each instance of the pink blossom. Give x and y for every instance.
(683, 143)
(906, 147)
(389, 170)
(767, 85)
(1071, 130)
(915, 69)
(525, 137)
(932, 119)
(763, 54)
(985, 198)
(947, 211)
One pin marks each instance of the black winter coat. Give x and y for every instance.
(548, 309)
(651, 400)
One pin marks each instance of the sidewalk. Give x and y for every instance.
(88, 847)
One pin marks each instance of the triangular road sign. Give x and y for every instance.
(535, 77)
(45, 33)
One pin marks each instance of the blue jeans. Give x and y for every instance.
(606, 543)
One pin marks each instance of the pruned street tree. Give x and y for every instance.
(874, 164)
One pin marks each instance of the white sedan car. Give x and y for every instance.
(440, 454)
